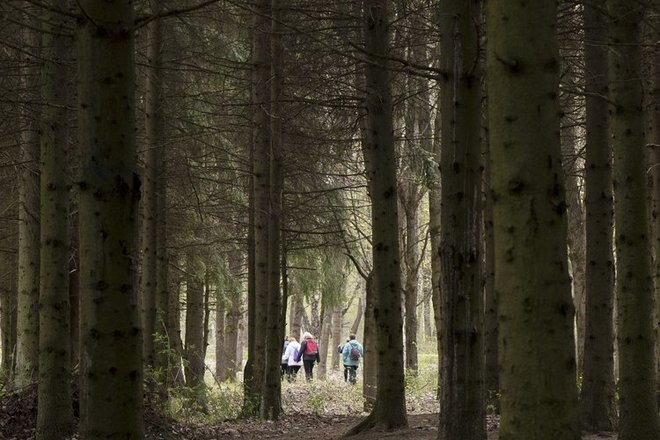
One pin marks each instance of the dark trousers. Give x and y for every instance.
(292, 372)
(309, 369)
(350, 373)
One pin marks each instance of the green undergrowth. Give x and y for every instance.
(328, 397)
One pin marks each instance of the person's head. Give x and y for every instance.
(351, 337)
(292, 338)
(308, 335)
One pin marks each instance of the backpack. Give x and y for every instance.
(311, 348)
(354, 354)
(295, 354)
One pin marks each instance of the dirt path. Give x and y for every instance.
(309, 427)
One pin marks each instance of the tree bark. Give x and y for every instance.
(492, 381)
(74, 294)
(597, 410)
(111, 369)
(535, 309)
(194, 343)
(638, 408)
(411, 199)
(27, 324)
(569, 135)
(653, 170)
(390, 409)
(462, 389)
(297, 316)
(54, 408)
(221, 364)
(324, 342)
(358, 317)
(150, 181)
(271, 403)
(370, 362)
(337, 328)
(233, 318)
(8, 314)
(261, 171)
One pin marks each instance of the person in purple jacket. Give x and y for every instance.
(309, 353)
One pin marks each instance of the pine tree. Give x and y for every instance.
(111, 356)
(462, 388)
(535, 309)
(597, 393)
(638, 408)
(390, 408)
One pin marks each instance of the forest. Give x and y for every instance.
(268, 219)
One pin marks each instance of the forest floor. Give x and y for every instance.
(320, 410)
(422, 427)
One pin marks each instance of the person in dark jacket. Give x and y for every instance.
(309, 353)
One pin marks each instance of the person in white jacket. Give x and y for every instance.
(289, 356)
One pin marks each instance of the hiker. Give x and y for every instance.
(352, 353)
(284, 366)
(340, 349)
(289, 357)
(309, 353)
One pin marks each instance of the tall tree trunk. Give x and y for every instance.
(569, 135)
(337, 327)
(272, 400)
(358, 317)
(175, 371)
(164, 346)
(597, 410)
(653, 170)
(250, 383)
(535, 308)
(427, 314)
(206, 323)
(411, 259)
(242, 342)
(370, 363)
(27, 331)
(8, 314)
(390, 408)
(74, 293)
(576, 239)
(324, 341)
(261, 172)
(194, 343)
(221, 364)
(462, 369)
(435, 228)
(111, 367)
(492, 381)
(151, 174)
(54, 408)
(297, 316)
(434, 236)
(233, 317)
(638, 408)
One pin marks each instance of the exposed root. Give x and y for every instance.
(365, 425)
